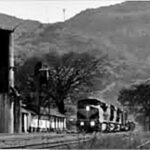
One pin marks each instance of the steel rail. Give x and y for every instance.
(144, 144)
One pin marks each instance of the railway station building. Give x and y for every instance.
(13, 118)
(49, 120)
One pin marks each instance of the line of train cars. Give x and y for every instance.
(95, 115)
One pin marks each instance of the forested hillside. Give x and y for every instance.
(122, 32)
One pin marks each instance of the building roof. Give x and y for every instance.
(27, 111)
(45, 111)
(52, 112)
(6, 29)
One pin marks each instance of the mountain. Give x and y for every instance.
(121, 31)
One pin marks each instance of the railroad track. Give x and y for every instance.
(146, 144)
(41, 141)
(48, 140)
(60, 144)
(145, 141)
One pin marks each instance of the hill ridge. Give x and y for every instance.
(122, 31)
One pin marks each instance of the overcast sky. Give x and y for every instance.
(50, 11)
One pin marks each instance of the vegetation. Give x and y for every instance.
(24, 81)
(111, 141)
(69, 75)
(137, 98)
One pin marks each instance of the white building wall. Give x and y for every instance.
(115, 115)
(64, 124)
(25, 122)
(52, 124)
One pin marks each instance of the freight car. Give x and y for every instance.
(95, 115)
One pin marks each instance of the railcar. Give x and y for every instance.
(95, 115)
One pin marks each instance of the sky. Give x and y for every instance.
(50, 11)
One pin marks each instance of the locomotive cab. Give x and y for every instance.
(87, 116)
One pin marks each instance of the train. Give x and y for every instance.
(93, 114)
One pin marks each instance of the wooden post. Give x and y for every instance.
(17, 114)
(38, 102)
(37, 68)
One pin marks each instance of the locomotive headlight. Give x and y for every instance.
(92, 123)
(87, 108)
(82, 123)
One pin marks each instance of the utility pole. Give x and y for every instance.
(12, 78)
(64, 15)
(38, 69)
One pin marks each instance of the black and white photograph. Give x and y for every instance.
(74, 74)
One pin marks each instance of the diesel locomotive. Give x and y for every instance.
(95, 115)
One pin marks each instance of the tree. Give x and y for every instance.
(24, 81)
(71, 72)
(71, 76)
(137, 98)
